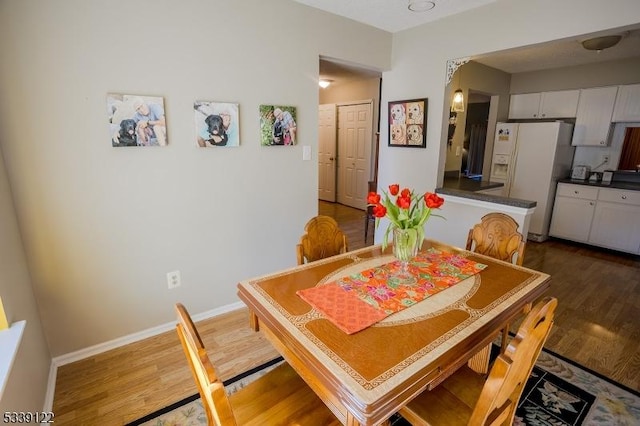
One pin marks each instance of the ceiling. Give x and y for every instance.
(563, 53)
(393, 15)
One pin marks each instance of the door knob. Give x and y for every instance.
(330, 158)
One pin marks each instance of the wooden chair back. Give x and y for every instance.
(211, 389)
(509, 373)
(322, 238)
(497, 236)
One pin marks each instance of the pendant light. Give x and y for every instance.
(457, 103)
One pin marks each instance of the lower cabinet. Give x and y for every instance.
(603, 217)
(616, 226)
(572, 218)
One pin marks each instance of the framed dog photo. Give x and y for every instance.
(136, 120)
(217, 124)
(278, 125)
(408, 123)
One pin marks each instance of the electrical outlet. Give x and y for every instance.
(605, 158)
(173, 279)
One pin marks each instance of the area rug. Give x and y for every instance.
(558, 393)
(189, 411)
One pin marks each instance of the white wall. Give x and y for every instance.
(420, 55)
(101, 225)
(25, 388)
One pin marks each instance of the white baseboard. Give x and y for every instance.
(121, 341)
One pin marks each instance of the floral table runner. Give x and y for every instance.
(358, 301)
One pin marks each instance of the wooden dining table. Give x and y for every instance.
(367, 376)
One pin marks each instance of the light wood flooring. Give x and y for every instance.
(597, 325)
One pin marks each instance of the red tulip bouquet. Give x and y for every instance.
(406, 211)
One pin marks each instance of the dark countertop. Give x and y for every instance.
(514, 202)
(468, 188)
(466, 184)
(633, 186)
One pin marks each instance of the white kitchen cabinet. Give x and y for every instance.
(573, 212)
(616, 223)
(627, 106)
(593, 119)
(555, 104)
(525, 105)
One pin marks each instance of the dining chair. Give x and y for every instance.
(466, 398)
(497, 236)
(278, 397)
(373, 186)
(322, 238)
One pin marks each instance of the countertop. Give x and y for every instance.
(632, 186)
(468, 188)
(466, 184)
(514, 202)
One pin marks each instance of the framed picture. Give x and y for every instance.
(278, 125)
(136, 120)
(408, 123)
(217, 124)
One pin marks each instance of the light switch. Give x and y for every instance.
(457, 151)
(306, 152)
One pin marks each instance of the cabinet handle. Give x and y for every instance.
(601, 142)
(544, 115)
(576, 192)
(624, 197)
(591, 203)
(535, 115)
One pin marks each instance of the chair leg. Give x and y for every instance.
(366, 226)
(253, 321)
(505, 338)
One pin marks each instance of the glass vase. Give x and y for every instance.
(405, 248)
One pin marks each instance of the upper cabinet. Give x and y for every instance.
(593, 119)
(627, 107)
(556, 104)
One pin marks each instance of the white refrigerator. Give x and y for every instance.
(529, 158)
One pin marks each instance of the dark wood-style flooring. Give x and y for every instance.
(597, 325)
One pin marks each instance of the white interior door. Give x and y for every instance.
(327, 153)
(354, 153)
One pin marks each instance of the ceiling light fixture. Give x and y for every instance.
(324, 83)
(421, 5)
(601, 43)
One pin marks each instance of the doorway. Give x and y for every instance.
(475, 137)
(344, 152)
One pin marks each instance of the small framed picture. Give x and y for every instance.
(217, 124)
(136, 120)
(278, 125)
(408, 123)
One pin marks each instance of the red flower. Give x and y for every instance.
(373, 198)
(404, 202)
(394, 189)
(433, 201)
(406, 193)
(379, 210)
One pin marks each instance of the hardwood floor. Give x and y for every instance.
(596, 325)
